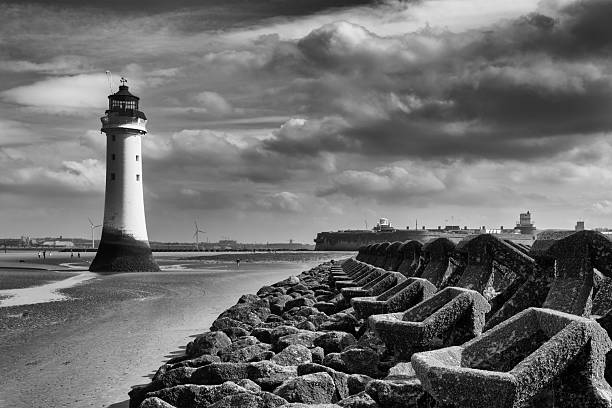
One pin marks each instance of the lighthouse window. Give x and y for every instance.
(114, 138)
(138, 177)
(137, 157)
(113, 156)
(112, 176)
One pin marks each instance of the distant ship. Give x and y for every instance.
(350, 240)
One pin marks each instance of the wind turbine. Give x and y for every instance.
(196, 234)
(93, 227)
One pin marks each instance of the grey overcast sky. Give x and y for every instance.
(273, 120)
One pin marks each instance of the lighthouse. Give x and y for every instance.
(124, 245)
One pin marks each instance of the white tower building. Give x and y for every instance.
(124, 245)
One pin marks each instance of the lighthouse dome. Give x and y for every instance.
(123, 103)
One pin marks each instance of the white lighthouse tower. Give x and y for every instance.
(124, 245)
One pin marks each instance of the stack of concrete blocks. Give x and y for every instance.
(367, 276)
(379, 285)
(361, 253)
(349, 272)
(371, 254)
(455, 314)
(411, 258)
(394, 257)
(436, 256)
(381, 255)
(541, 357)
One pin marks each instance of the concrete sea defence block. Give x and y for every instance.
(394, 257)
(436, 257)
(362, 279)
(400, 297)
(381, 254)
(361, 253)
(482, 251)
(296, 341)
(575, 257)
(519, 359)
(451, 316)
(360, 270)
(411, 258)
(375, 287)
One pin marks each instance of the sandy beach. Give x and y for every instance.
(113, 331)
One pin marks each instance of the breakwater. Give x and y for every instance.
(484, 322)
(353, 240)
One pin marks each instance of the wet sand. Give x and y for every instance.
(25, 278)
(47, 292)
(117, 329)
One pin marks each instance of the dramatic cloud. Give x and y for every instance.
(73, 94)
(258, 8)
(283, 201)
(472, 95)
(63, 64)
(386, 183)
(311, 115)
(213, 103)
(86, 176)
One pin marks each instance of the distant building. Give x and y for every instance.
(58, 244)
(383, 225)
(579, 226)
(525, 226)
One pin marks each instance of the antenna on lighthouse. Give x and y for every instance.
(109, 76)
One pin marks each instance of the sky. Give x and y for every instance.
(272, 120)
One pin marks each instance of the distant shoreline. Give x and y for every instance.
(268, 257)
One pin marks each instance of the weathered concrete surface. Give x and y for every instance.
(531, 292)
(452, 316)
(436, 256)
(394, 257)
(575, 257)
(482, 251)
(381, 255)
(519, 359)
(361, 252)
(411, 258)
(376, 287)
(396, 299)
(362, 279)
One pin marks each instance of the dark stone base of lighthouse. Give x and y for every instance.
(119, 252)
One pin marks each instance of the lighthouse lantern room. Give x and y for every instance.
(124, 245)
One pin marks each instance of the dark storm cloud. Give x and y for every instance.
(533, 87)
(578, 30)
(238, 11)
(591, 29)
(210, 155)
